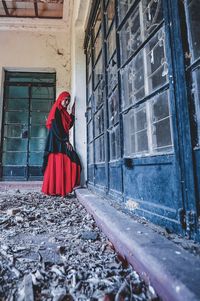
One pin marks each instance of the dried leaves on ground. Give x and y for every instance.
(51, 249)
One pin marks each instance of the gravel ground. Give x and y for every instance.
(51, 249)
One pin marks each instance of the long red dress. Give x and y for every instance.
(61, 166)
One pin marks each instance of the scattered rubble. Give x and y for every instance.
(51, 249)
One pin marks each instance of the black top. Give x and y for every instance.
(56, 140)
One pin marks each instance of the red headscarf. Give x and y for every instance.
(66, 118)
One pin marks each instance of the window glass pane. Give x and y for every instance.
(99, 95)
(123, 7)
(41, 104)
(99, 122)
(112, 74)
(97, 21)
(17, 104)
(130, 35)
(113, 108)
(196, 99)
(111, 42)
(42, 92)
(132, 81)
(193, 22)
(30, 77)
(99, 150)
(17, 92)
(90, 131)
(157, 69)
(98, 44)
(90, 88)
(152, 15)
(13, 131)
(36, 144)
(161, 127)
(16, 117)
(90, 155)
(14, 158)
(98, 71)
(135, 131)
(110, 13)
(38, 131)
(36, 158)
(15, 144)
(38, 117)
(114, 143)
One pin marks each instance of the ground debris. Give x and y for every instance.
(51, 249)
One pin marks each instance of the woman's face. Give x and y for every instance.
(65, 102)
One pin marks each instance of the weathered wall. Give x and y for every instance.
(80, 15)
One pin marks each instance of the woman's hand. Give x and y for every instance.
(73, 108)
(69, 146)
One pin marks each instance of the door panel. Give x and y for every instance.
(26, 106)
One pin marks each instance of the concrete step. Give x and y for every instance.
(171, 270)
(23, 186)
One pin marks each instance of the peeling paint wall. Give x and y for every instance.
(32, 51)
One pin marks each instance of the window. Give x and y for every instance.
(144, 71)
(192, 8)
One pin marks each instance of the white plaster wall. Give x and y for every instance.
(80, 16)
(35, 51)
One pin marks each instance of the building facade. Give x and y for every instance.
(143, 116)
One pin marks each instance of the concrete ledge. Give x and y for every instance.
(23, 186)
(172, 271)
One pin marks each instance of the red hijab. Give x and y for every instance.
(66, 118)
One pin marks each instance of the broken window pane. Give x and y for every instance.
(123, 7)
(132, 81)
(193, 23)
(161, 127)
(130, 35)
(152, 15)
(114, 143)
(157, 69)
(113, 108)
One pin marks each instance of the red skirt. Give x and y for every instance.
(61, 175)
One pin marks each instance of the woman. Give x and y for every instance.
(61, 166)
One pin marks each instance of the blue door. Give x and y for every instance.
(28, 98)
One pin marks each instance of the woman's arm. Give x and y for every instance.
(58, 129)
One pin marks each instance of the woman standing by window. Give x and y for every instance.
(61, 165)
